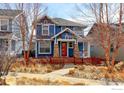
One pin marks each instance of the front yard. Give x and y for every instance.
(69, 74)
(96, 73)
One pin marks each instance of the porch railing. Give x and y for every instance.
(70, 60)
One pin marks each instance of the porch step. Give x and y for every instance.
(69, 65)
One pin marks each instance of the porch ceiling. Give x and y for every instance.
(66, 40)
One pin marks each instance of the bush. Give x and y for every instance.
(6, 60)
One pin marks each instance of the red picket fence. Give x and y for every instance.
(93, 61)
(68, 60)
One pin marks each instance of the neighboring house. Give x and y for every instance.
(96, 50)
(9, 31)
(57, 37)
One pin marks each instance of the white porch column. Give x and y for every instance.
(88, 49)
(36, 49)
(9, 45)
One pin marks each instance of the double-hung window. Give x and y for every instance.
(4, 25)
(45, 47)
(4, 44)
(45, 30)
(13, 44)
(85, 49)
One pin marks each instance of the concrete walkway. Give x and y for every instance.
(59, 75)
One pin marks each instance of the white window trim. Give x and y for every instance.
(48, 30)
(12, 46)
(7, 25)
(88, 50)
(43, 52)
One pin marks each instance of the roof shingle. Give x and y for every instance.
(9, 12)
(64, 22)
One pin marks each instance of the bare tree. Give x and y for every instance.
(22, 26)
(28, 22)
(6, 60)
(107, 30)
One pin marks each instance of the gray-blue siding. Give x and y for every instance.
(52, 28)
(66, 33)
(39, 31)
(57, 29)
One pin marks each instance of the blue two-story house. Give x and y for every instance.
(57, 37)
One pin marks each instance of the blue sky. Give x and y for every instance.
(63, 10)
(60, 10)
(66, 11)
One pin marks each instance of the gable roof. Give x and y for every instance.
(65, 22)
(112, 26)
(9, 12)
(66, 29)
(39, 20)
(88, 29)
(61, 21)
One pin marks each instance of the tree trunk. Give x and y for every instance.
(24, 52)
(30, 43)
(113, 57)
(107, 57)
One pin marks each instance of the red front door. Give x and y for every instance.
(64, 49)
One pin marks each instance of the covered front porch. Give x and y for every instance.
(66, 47)
(71, 48)
(69, 44)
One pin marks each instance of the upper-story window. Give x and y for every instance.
(4, 25)
(45, 30)
(13, 45)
